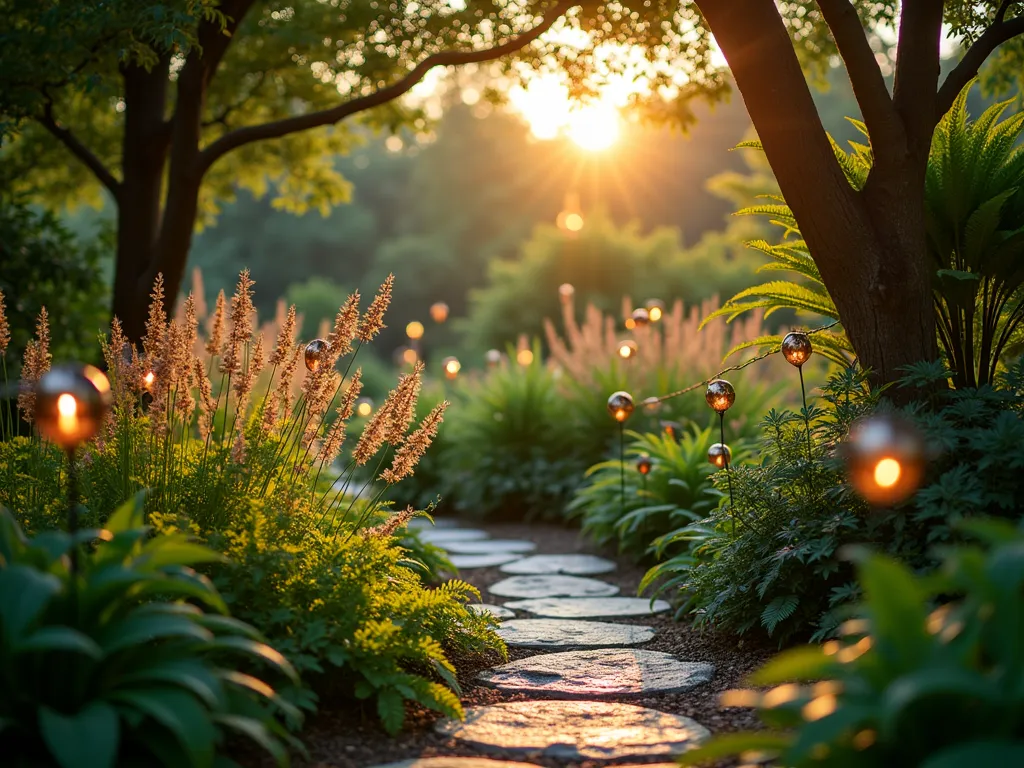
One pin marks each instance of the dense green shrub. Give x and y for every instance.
(509, 448)
(247, 465)
(930, 674)
(780, 569)
(94, 674)
(674, 494)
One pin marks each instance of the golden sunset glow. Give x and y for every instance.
(550, 112)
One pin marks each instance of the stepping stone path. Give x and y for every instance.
(567, 633)
(598, 674)
(443, 536)
(552, 586)
(483, 561)
(575, 730)
(422, 524)
(572, 723)
(572, 565)
(485, 546)
(589, 607)
(496, 610)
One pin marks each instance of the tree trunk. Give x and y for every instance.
(144, 155)
(869, 245)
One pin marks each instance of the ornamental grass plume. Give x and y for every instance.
(392, 525)
(5, 329)
(241, 326)
(415, 445)
(335, 436)
(403, 410)
(207, 404)
(345, 326)
(281, 398)
(215, 329)
(35, 363)
(373, 320)
(285, 339)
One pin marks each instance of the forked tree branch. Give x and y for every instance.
(79, 150)
(865, 75)
(1000, 31)
(278, 128)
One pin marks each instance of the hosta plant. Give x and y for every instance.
(929, 675)
(131, 660)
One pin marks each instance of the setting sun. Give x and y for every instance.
(594, 127)
(551, 113)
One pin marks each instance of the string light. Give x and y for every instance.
(439, 312)
(651, 405)
(796, 348)
(315, 352)
(452, 366)
(720, 395)
(524, 357)
(620, 406)
(720, 455)
(414, 330)
(655, 309)
(628, 349)
(364, 407)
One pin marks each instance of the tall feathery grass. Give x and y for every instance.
(211, 408)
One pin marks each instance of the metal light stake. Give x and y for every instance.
(797, 349)
(71, 403)
(720, 396)
(620, 406)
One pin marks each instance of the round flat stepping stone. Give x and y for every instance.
(589, 607)
(459, 762)
(570, 633)
(597, 674)
(441, 536)
(551, 586)
(575, 730)
(440, 523)
(498, 611)
(485, 547)
(483, 561)
(571, 565)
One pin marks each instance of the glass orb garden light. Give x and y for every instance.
(628, 349)
(71, 403)
(439, 312)
(796, 348)
(414, 330)
(655, 309)
(315, 352)
(640, 317)
(885, 457)
(452, 366)
(720, 455)
(720, 395)
(620, 406)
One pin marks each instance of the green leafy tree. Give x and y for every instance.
(242, 72)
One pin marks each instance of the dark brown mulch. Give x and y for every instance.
(348, 737)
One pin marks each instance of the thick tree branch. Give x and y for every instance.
(876, 105)
(79, 150)
(215, 42)
(1000, 31)
(288, 125)
(917, 71)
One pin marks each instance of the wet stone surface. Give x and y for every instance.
(598, 673)
(553, 585)
(442, 536)
(589, 607)
(485, 546)
(571, 633)
(570, 565)
(575, 730)
(484, 560)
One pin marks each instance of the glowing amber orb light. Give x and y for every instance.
(439, 312)
(452, 366)
(720, 455)
(364, 407)
(628, 349)
(71, 403)
(620, 406)
(524, 357)
(147, 381)
(315, 352)
(643, 464)
(640, 317)
(655, 310)
(573, 222)
(671, 428)
(885, 458)
(796, 348)
(409, 356)
(414, 330)
(492, 358)
(720, 395)
(651, 405)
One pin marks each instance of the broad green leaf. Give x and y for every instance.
(24, 595)
(140, 630)
(897, 611)
(257, 732)
(732, 744)
(50, 639)
(180, 713)
(807, 664)
(88, 739)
